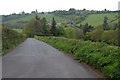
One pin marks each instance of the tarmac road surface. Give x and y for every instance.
(36, 59)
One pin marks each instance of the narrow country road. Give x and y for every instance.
(36, 59)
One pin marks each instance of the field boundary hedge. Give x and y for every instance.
(100, 55)
(10, 39)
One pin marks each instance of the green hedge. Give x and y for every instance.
(102, 56)
(109, 36)
(10, 39)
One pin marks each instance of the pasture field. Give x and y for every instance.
(47, 16)
(97, 19)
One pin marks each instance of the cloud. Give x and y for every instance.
(16, 6)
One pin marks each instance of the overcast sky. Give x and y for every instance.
(17, 6)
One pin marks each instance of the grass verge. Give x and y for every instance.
(100, 55)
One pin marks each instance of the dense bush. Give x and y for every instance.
(102, 56)
(75, 33)
(36, 26)
(10, 39)
(96, 34)
(108, 36)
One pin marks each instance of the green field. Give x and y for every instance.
(97, 19)
(47, 16)
(18, 30)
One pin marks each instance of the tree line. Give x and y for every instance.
(103, 33)
(39, 27)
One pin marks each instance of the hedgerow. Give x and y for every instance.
(10, 39)
(100, 55)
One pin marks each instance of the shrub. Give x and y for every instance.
(108, 36)
(102, 56)
(74, 33)
(10, 39)
(97, 34)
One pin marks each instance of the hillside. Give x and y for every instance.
(18, 23)
(97, 19)
(47, 16)
(78, 17)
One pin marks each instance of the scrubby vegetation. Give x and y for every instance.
(108, 36)
(10, 39)
(100, 55)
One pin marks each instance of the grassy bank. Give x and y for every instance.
(100, 55)
(10, 39)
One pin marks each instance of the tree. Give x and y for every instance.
(96, 34)
(44, 25)
(71, 32)
(105, 23)
(33, 12)
(84, 9)
(72, 11)
(108, 36)
(35, 26)
(60, 30)
(23, 12)
(85, 28)
(91, 28)
(81, 25)
(111, 37)
(36, 11)
(53, 28)
(78, 33)
(28, 28)
(105, 9)
(38, 29)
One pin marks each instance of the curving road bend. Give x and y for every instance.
(36, 59)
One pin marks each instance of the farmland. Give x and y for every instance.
(97, 19)
(47, 16)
